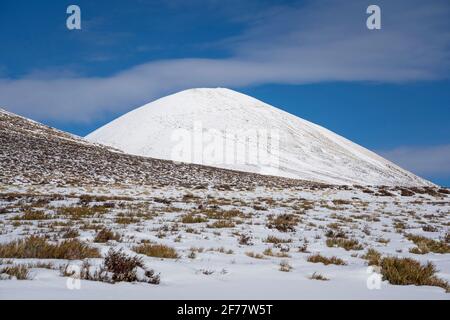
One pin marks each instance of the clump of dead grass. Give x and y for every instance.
(347, 244)
(156, 250)
(317, 258)
(40, 248)
(426, 245)
(283, 222)
(18, 272)
(106, 235)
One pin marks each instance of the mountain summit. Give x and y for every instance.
(212, 126)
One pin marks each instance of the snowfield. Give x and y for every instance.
(283, 145)
(80, 220)
(236, 261)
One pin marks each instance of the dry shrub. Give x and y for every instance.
(340, 202)
(429, 228)
(126, 220)
(117, 267)
(70, 234)
(317, 258)
(191, 218)
(30, 215)
(254, 255)
(318, 276)
(124, 268)
(221, 224)
(406, 271)
(275, 240)
(283, 222)
(406, 192)
(106, 235)
(245, 240)
(19, 272)
(223, 214)
(285, 266)
(76, 213)
(269, 252)
(39, 248)
(426, 245)
(373, 257)
(335, 234)
(156, 250)
(347, 244)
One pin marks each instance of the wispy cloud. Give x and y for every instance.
(426, 161)
(313, 42)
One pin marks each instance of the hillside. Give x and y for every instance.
(32, 153)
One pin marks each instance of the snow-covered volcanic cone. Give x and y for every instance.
(227, 129)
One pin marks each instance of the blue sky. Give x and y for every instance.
(388, 90)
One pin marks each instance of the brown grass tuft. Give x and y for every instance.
(190, 218)
(406, 271)
(426, 245)
(317, 258)
(39, 248)
(283, 222)
(156, 250)
(106, 235)
(19, 272)
(347, 244)
(318, 276)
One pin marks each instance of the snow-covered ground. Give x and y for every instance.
(227, 129)
(231, 262)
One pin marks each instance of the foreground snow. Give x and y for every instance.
(215, 272)
(244, 281)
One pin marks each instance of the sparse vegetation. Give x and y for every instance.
(221, 224)
(405, 271)
(126, 220)
(156, 250)
(318, 276)
(347, 244)
(40, 248)
(317, 258)
(123, 268)
(19, 272)
(191, 218)
(269, 252)
(426, 245)
(285, 266)
(254, 255)
(210, 209)
(30, 215)
(117, 267)
(78, 213)
(245, 240)
(222, 214)
(70, 234)
(283, 222)
(275, 240)
(373, 257)
(106, 235)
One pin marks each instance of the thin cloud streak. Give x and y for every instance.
(319, 41)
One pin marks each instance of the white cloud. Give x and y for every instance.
(426, 161)
(318, 41)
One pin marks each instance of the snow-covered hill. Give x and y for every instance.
(189, 125)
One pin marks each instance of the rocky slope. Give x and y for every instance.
(34, 153)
